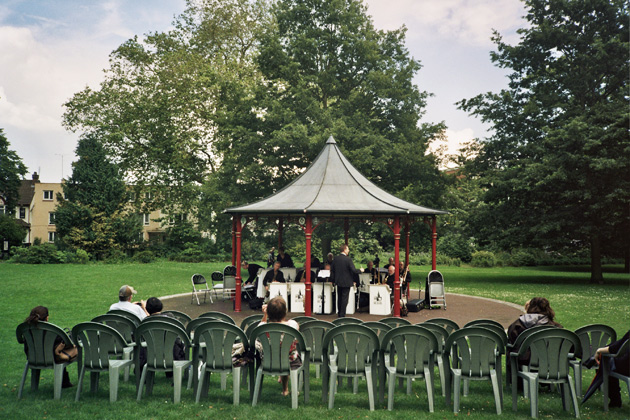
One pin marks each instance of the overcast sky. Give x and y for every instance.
(51, 49)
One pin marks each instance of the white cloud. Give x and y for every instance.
(466, 21)
(452, 142)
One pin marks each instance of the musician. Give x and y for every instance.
(391, 278)
(284, 258)
(271, 257)
(273, 275)
(252, 270)
(315, 263)
(373, 271)
(391, 262)
(405, 277)
(342, 273)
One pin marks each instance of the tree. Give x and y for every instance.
(158, 109)
(12, 170)
(10, 231)
(94, 216)
(557, 167)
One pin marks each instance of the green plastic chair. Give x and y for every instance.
(415, 349)
(181, 316)
(126, 314)
(606, 366)
(126, 327)
(302, 319)
(163, 318)
(441, 335)
(276, 340)
(40, 349)
(484, 321)
(251, 322)
(380, 329)
(346, 321)
(591, 338)
(218, 315)
(212, 353)
(476, 357)
(513, 347)
(497, 328)
(101, 349)
(357, 355)
(551, 348)
(394, 322)
(313, 333)
(159, 337)
(446, 323)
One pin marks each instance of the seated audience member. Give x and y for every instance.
(273, 275)
(154, 307)
(276, 311)
(125, 295)
(62, 353)
(252, 271)
(284, 258)
(622, 366)
(538, 312)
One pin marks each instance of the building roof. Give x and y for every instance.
(331, 185)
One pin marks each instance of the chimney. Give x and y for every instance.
(35, 177)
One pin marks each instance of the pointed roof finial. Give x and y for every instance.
(331, 140)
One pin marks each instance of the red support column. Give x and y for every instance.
(233, 240)
(308, 297)
(346, 229)
(239, 228)
(280, 227)
(434, 242)
(407, 235)
(397, 262)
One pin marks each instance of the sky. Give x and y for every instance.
(52, 49)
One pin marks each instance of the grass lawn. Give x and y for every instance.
(76, 293)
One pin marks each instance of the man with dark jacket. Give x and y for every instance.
(342, 273)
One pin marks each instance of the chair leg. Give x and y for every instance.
(178, 374)
(143, 378)
(442, 378)
(497, 390)
(23, 380)
(332, 389)
(200, 384)
(577, 371)
(456, 391)
(58, 379)
(574, 399)
(259, 377)
(391, 385)
(294, 388)
(35, 375)
(370, 385)
(533, 396)
(223, 381)
(236, 384)
(80, 383)
(428, 379)
(114, 378)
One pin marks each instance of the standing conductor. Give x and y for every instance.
(342, 273)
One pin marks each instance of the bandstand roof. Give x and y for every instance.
(332, 186)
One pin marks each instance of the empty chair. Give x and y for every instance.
(380, 329)
(101, 349)
(276, 340)
(40, 343)
(313, 333)
(435, 289)
(218, 315)
(450, 325)
(159, 338)
(199, 286)
(441, 335)
(346, 321)
(217, 282)
(229, 281)
(302, 319)
(163, 318)
(126, 327)
(415, 348)
(180, 316)
(250, 322)
(591, 338)
(356, 356)
(474, 354)
(484, 321)
(394, 322)
(213, 345)
(552, 349)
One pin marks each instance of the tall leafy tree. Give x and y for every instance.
(12, 170)
(94, 214)
(557, 166)
(157, 111)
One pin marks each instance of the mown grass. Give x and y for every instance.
(75, 293)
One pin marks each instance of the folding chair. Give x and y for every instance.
(199, 285)
(435, 286)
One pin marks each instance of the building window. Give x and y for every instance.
(51, 236)
(145, 219)
(22, 212)
(48, 194)
(51, 218)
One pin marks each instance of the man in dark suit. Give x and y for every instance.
(342, 273)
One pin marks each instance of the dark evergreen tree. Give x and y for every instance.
(12, 170)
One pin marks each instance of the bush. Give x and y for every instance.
(115, 256)
(81, 257)
(456, 246)
(38, 254)
(144, 257)
(483, 259)
(522, 257)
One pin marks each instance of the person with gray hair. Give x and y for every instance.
(125, 296)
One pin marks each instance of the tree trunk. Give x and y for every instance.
(596, 259)
(326, 244)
